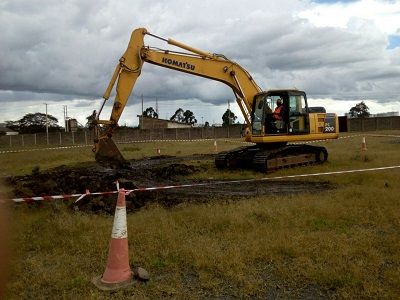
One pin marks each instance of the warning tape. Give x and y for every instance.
(40, 149)
(55, 197)
(87, 193)
(347, 137)
(118, 142)
(384, 135)
(195, 140)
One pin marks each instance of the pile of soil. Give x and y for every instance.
(149, 172)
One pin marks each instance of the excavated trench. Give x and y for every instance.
(149, 172)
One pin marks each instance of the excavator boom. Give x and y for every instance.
(195, 62)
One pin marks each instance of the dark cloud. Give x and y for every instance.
(11, 96)
(68, 50)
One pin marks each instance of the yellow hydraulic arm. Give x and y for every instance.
(195, 62)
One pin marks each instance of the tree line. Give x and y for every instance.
(36, 122)
(187, 116)
(33, 123)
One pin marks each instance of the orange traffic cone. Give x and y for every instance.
(118, 273)
(363, 145)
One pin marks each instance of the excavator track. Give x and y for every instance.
(289, 156)
(270, 159)
(237, 158)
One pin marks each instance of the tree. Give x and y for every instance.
(206, 124)
(178, 115)
(183, 116)
(150, 113)
(228, 118)
(13, 125)
(360, 110)
(188, 117)
(32, 123)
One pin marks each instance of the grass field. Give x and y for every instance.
(341, 243)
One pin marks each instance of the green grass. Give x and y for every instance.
(341, 243)
(20, 163)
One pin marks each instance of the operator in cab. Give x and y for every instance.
(278, 112)
(277, 116)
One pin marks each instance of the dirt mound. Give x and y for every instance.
(159, 171)
(176, 170)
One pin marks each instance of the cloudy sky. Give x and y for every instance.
(64, 53)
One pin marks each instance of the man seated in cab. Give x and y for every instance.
(277, 115)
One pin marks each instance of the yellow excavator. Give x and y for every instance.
(279, 138)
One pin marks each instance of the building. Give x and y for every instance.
(152, 123)
(388, 114)
(71, 125)
(6, 131)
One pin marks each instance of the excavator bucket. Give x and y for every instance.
(107, 153)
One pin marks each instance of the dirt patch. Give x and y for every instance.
(149, 172)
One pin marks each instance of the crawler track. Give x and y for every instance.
(270, 159)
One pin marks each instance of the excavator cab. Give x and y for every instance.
(291, 118)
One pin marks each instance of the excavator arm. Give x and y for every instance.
(194, 61)
(215, 68)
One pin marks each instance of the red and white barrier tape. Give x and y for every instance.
(55, 197)
(346, 137)
(239, 140)
(40, 149)
(118, 142)
(87, 193)
(195, 140)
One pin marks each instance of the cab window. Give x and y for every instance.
(298, 116)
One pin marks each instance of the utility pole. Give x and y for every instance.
(141, 127)
(157, 106)
(47, 126)
(229, 112)
(65, 117)
(229, 117)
